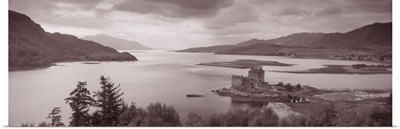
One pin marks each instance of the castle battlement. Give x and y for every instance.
(255, 78)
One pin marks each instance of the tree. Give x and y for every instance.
(239, 117)
(27, 124)
(79, 101)
(266, 118)
(216, 120)
(55, 117)
(43, 124)
(132, 116)
(298, 86)
(194, 119)
(109, 102)
(280, 84)
(326, 116)
(289, 87)
(161, 115)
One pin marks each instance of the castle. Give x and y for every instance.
(254, 79)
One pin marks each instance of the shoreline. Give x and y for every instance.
(11, 69)
(245, 63)
(290, 57)
(341, 69)
(315, 95)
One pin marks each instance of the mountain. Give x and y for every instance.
(252, 41)
(368, 40)
(30, 46)
(211, 49)
(116, 43)
(377, 34)
(296, 39)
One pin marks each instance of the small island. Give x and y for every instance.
(194, 95)
(347, 69)
(243, 64)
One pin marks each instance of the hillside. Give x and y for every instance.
(116, 43)
(30, 46)
(377, 34)
(373, 40)
(211, 49)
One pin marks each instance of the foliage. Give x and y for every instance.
(289, 87)
(79, 101)
(55, 117)
(44, 124)
(216, 120)
(355, 116)
(27, 124)
(280, 84)
(161, 115)
(194, 119)
(294, 120)
(132, 116)
(266, 118)
(298, 86)
(326, 116)
(109, 102)
(237, 118)
(382, 117)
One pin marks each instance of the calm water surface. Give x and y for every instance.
(164, 77)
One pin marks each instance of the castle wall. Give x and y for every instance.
(237, 80)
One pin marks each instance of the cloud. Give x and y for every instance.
(329, 10)
(178, 24)
(73, 13)
(369, 6)
(175, 8)
(232, 16)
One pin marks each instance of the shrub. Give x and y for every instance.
(355, 116)
(266, 118)
(326, 116)
(216, 120)
(298, 86)
(161, 115)
(289, 87)
(194, 119)
(132, 116)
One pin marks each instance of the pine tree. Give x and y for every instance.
(79, 101)
(109, 102)
(55, 117)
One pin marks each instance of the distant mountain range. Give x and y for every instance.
(30, 46)
(116, 43)
(372, 39)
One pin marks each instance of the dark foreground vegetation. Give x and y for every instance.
(112, 110)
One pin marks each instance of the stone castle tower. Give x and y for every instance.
(255, 78)
(257, 73)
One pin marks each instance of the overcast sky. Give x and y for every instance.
(178, 24)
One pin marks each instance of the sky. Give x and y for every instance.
(180, 24)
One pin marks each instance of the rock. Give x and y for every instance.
(194, 95)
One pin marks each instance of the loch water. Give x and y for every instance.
(165, 77)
